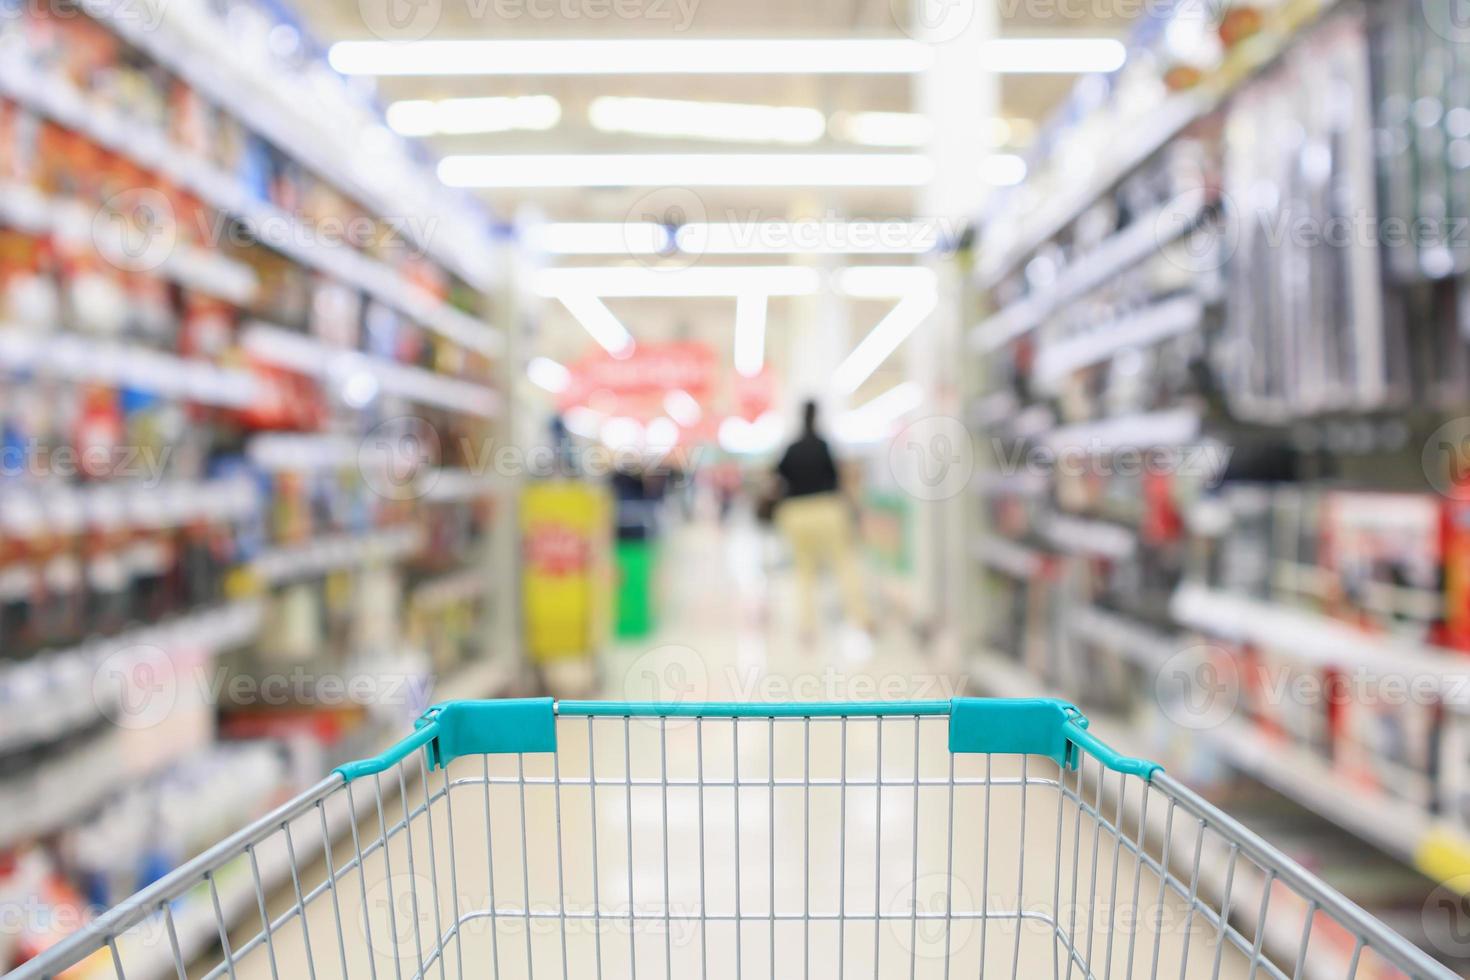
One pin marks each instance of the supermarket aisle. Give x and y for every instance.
(803, 865)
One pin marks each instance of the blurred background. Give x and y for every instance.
(357, 355)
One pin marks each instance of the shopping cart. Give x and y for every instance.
(523, 838)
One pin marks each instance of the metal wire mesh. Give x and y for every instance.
(810, 847)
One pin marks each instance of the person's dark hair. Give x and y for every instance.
(809, 416)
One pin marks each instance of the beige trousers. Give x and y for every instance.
(819, 529)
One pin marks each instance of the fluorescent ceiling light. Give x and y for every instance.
(600, 238)
(687, 170)
(809, 238)
(548, 374)
(661, 435)
(599, 321)
(883, 128)
(750, 334)
(883, 340)
(1003, 170)
(682, 407)
(740, 437)
(885, 281)
(493, 114)
(622, 432)
(632, 57)
(872, 421)
(1053, 55)
(732, 121)
(777, 280)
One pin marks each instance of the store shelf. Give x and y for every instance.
(273, 227)
(199, 269)
(295, 352)
(1141, 328)
(335, 553)
(1130, 639)
(194, 914)
(1098, 539)
(1001, 677)
(1146, 430)
(450, 588)
(287, 112)
(1316, 638)
(76, 357)
(1162, 126)
(1147, 234)
(209, 631)
(1010, 558)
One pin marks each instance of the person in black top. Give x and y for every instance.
(814, 519)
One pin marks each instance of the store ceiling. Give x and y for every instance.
(1028, 97)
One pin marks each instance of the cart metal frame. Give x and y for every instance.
(1154, 844)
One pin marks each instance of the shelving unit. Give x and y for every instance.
(1093, 342)
(276, 397)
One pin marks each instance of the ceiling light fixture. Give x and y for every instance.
(750, 334)
(548, 374)
(883, 340)
(1003, 169)
(687, 170)
(885, 281)
(817, 56)
(811, 237)
(599, 321)
(631, 57)
(494, 114)
(682, 407)
(599, 238)
(626, 281)
(728, 121)
(883, 128)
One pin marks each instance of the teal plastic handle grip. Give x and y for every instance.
(1002, 726)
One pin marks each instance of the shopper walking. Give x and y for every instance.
(815, 519)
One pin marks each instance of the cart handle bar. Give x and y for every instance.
(1009, 726)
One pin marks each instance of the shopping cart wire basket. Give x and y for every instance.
(522, 838)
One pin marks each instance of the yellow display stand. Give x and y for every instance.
(566, 538)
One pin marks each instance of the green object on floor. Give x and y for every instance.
(637, 563)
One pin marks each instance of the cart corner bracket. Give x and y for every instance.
(1026, 726)
(494, 727)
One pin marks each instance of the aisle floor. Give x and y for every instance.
(811, 867)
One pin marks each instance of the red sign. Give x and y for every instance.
(650, 369)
